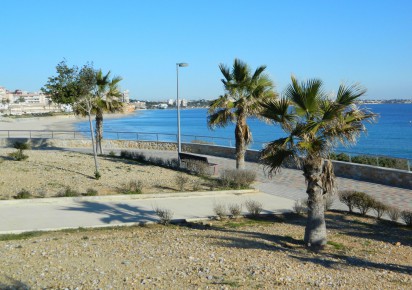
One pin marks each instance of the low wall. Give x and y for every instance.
(380, 175)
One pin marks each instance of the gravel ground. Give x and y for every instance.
(242, 254)
(47, 172)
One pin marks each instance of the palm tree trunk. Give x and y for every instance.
(315, 231)
(99, 131)
(240, 143)
(94, 149)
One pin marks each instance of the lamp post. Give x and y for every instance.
(179, 145)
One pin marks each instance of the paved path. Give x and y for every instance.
(277, 195)
(60, 213)
(290, 183)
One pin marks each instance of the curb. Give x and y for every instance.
(103, 198)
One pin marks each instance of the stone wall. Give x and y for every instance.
(380, 175)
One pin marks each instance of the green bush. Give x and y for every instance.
(198, 167)
(90, 192)
(132, 187)
(237, 179)
(346, 197)
(394, 213)
(181, 180)
(372, 160)
(379, 208)
(23, 194)
(362, 202)
(112, 154)
(300, 206)
(68, 192)
(406, 216)
(340, 157)
(220, 210)
(235, 210)
(253, 207)
(19, 154)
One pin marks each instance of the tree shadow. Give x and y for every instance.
(119, 212)
(11, 284)
(295, 248)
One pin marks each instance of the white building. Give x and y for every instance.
(171, 102)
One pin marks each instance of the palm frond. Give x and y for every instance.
(220, 118)
(276, 153)
(348, 94)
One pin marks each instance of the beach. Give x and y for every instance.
(55, 123)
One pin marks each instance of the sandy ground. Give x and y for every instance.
(63, 122)
(47, 172)
(244, 254)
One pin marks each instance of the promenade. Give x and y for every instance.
(277, 194)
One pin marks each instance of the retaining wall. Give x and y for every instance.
(380, 175)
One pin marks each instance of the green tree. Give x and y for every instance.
(244, 92)
(76, 87)
(108, 99)
(314, 125)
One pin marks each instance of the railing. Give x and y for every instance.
(356, 157)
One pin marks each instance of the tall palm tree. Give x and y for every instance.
(314, 124)
(108, 99)
(243, 93)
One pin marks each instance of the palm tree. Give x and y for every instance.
(314, 124)
(108, 99)
(243, 94)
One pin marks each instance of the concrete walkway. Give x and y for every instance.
(277, 194)
(18, 216)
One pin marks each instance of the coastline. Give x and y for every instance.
(52, 123)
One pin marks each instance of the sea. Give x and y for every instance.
(390, 135)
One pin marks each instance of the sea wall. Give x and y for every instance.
(380, 175)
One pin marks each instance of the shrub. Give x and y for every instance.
(90, 192)
(23, 194)
(393, 213)
(406, 216)
(254, 207)
(220, 210)
(328, 200)
(346, 197)
(112, 154)
(97, 175)
(198, 167)
(340, 157)
(235, 209)
(133, 187)
(233, 178)
(181, 181)
(379, 208)
(19, 154)
(300, 207)
(362, 202)
(165, 215)
(68, 192)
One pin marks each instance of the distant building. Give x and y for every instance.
(171, 102)
(183, 103)
(125, 97)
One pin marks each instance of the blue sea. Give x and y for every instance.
(391, 135)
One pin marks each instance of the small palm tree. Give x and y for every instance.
(108, 100)
(314, 124)
(244, 92)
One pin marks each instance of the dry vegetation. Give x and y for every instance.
(48, 172)
(247, 254)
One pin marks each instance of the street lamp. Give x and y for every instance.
(179, 145)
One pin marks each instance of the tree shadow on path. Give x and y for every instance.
(116, 212)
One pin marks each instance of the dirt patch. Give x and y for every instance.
(246, 254)
(47, 172)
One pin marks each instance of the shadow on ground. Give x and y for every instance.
(352, 226)
(115, 213)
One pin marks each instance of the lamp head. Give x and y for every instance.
(182, 64)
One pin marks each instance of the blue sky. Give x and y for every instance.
(369, 42)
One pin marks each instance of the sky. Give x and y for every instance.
(368, 42)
